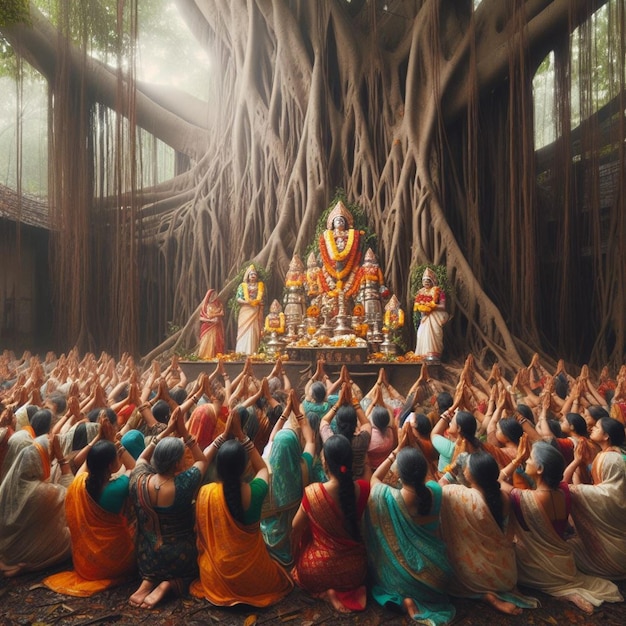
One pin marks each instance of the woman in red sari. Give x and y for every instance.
(328, 547)
(211, 326)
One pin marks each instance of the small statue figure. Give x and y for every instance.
(313, 280)
(275, 326)
(250, 295)
(211, 326)
(372, 288)
(430, 303)
(393, 320)
(295, 305)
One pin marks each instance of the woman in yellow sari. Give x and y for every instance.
(103, 542)
(235, 566)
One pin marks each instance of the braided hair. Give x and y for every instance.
(99, 459)
(485, 471)
(231, 462)
(338, 455)
(412, 467)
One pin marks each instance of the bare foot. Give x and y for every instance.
(504, 607)
(140, 595)
(331, 597)
(157, 594)
(580, 602)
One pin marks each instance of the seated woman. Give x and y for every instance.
(599, 510)
(103, 542)
(327, 544)
(290, 471)
(353, 425)
(30, 505)
(407, 560)
(474, 524)
(235, 566)
(545, 560)
(384, 436)
(162, 493)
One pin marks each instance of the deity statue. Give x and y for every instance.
(295, 303)
(371, 288)
(211, 326)
(430, 303)
(274, 327)
(313, 279)
(394, 315)
(340, 249)
(250, 295)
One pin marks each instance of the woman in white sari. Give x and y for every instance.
(599, 510)
(475, 528)
(430, 303)
(545, 560)
(250, 294)
(33, 528)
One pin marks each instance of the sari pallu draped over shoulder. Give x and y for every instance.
(329, 558)
(103, 546)
(407, 560)
(33, 530)
(235, 567)
(599, 515)
(546, 561)
(482, 555)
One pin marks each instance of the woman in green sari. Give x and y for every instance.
(290, 471)
(407, 561)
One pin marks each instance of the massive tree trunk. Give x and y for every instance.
(387, 104)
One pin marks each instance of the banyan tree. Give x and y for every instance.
(422, 111)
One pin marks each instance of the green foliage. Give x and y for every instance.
(369, 240)
(264, 276)
(14, 12)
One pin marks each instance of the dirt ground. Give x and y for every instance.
(24, 601)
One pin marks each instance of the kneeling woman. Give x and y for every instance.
(328, 548)
(103, 543)
(407, 560)
(235, 566)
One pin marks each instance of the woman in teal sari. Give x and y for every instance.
(290, 471)
(407, 561)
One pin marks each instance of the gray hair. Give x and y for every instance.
(167, 454)
(551, 461)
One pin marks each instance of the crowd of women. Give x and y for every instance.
(235, 490)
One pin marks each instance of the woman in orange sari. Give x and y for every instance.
(328, 547)
(103, 542)
(211, 326)
(235, 566)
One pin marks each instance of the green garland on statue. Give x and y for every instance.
(262, 273)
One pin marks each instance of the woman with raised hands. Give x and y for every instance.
(235, 566)
(162, 493)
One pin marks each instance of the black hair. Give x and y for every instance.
(614, 429)
(94, 415)
(338, 456)
(577, 424)
(79, 440)
(41, 422)
(380, 418)
(555, 427)
(231, 462)
(525, 411)
(99, 459)
(412, 467)
(551, 461)
(561, 386)
(597, 412)
(467, 428)
(178, 394)
(423, 424)
(161, 411)
(31, 409)
(345, 421)
(444, 401)
(318, 392)
(511, 429)
(485, 471)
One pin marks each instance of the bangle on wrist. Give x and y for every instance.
(218, 441)
(282, 417)
(246, 440)
(392, 456)
(190, 442)
(121, 450)
(299, 417)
